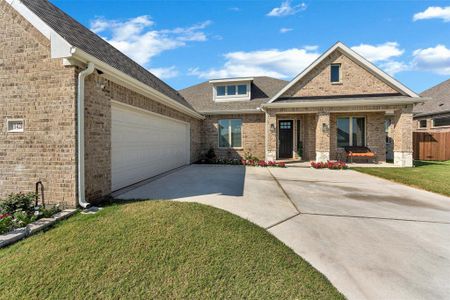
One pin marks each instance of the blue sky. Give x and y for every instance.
(187, 42)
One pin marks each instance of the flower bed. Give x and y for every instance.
(243, 162)
(19, 210)
(333, 165)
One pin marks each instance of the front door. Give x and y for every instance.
(286, 145)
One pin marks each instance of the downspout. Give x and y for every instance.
(80, 128)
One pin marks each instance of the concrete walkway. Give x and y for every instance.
(373, 239)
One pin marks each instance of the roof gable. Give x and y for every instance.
(370, 80)
(51, 19)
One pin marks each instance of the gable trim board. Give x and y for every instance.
(359, 59)
(346, 102)
(61, 48)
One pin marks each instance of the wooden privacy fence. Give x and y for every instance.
(432, 146)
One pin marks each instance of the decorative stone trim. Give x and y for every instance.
(32, 228)
(322, 156)
(403, 159)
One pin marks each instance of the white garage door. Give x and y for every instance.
(145, 144)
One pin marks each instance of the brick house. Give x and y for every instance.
(86, 120)
(434, 114)
(340, 100)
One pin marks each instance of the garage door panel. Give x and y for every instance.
(145, 145)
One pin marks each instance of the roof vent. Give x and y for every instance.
(441, 104)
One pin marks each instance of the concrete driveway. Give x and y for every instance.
(372, 238)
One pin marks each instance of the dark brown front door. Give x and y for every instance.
(285, 130)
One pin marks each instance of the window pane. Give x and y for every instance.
(242, 89)
(423, 124)
(335, 73)
(343, 132)
(224, 134)
(220, 91)
(441, 122)
(359, 132)
(236, 137)
(231, 90)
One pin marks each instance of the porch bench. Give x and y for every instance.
(360, 152)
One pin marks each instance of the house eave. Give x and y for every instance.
(340, 103)
(232, 112)
(134, 84)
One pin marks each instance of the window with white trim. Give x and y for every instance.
(234, 91)
(335, 73)
(441, 122)
(230, 133)
(422, 124)
(351, 131)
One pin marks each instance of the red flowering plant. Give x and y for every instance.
(333, 165)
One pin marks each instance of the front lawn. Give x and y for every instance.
(433, 176)
(157, 249)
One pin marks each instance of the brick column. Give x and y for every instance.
(271, 136)
(403, 140)
(323, 136)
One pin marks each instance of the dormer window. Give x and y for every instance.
(237, 89)
(335, 74)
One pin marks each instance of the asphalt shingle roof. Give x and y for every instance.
(440, 99)
(263, 88)
(81, 37)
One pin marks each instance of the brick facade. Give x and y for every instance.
(253, 133)
(355, 80)
(41, 91)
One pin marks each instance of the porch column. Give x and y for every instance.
(271, 136)
(403, 137)
(323, 136)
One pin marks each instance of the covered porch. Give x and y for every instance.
(302, 133)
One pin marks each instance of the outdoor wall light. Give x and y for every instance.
(325, 127)
(272, 127)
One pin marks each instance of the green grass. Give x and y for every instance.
(433, 176)
(157, 250)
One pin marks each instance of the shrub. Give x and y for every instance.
(6, 223)
(19, 201)
(18, 210)
(211, 154)
(333, 165)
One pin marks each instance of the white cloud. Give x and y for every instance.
(235, 9)
(434, 12)
(287, 9)
(285, 30)
(381, 52)
(276, 63)
(136, 37)
(383, 55)
(165, 73)
(434, 59)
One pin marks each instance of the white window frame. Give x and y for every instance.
(350, 128)
(444, 126)
(420, 125)
(15, 130)
(235, 97)
(229, 134)
(340, 73)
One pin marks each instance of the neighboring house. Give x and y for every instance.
(434, 115)
(86, 120)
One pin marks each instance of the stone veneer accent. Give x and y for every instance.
(403, 137)
(41, 91)
(98, 95)
(356, 80)
(253, 133)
